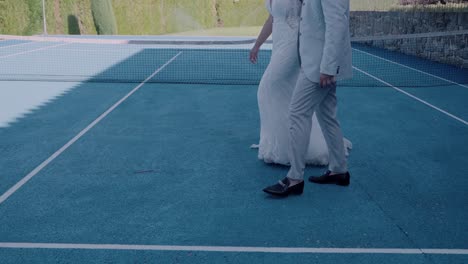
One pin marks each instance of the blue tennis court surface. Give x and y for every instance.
(151, 168)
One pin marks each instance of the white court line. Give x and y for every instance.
(16, 45)
(288, 250)
(414, 97)
(23, 181)
(408, 67)
(30, 51)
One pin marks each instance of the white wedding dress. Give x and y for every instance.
(276, 88)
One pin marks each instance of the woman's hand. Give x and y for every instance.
(254, 55)
(262, 37)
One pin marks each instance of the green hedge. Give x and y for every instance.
(103, 16)
(20, 17)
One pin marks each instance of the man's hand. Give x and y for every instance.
(254, 55)
(327, 81)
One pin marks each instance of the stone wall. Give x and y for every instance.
(445, 49)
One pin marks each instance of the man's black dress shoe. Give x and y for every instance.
(282, 188)
(341, 179)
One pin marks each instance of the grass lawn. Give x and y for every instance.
(62, 17)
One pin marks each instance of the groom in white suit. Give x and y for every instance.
(325, 56)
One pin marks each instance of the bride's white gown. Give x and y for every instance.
(276, 88)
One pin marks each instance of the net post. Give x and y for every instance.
(44, 22)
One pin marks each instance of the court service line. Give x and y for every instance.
(412, 96)
(287, 250)
(16, 45)
(34, 172)
(30, 51)
(411, 68)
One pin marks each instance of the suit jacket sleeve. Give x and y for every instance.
(336, 16)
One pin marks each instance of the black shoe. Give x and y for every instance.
(341, 179)
(282, 188)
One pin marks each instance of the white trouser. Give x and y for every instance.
(308, 97)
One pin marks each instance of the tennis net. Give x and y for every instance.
(416, 60)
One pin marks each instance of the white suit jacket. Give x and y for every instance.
(324, 41)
